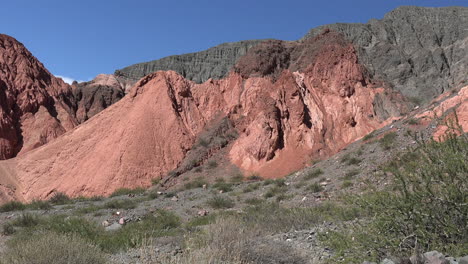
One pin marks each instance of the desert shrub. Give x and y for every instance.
(120, 204)
(87, 210)
(251, 187)
(201, 221)
(212, 164)
(369, 136)
(425, 209)
(153, 194)
(39, 205)
(346, 184)
(203, 142)
(127, 191)
(198, 169)
(155, 181)
(315, 187)
(59, 198)
(195, 183)
(387, 141)
(236, 178)
(254, 201)
(275, 190)
(53, 248)
(268, 182)
(255, 177)
(313, 174)
(412, 121)
(223, 186)
(26, 220)
(351, 173)
(8, 229)
(12, 206)
(280, 182)
(218, 202)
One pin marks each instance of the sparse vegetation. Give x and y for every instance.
(255, 177)
(368, 136)
(196, 183)
(212, 164)
(120, 204)
(251, 187)
(426, 208)
(59, 198)
(218, 202)
(12, 206)
(313, 174)
(237, 178)
(53, 248)
(387, 141)
(350, 174)
(127, 191)
(315, 187)
(223, 186)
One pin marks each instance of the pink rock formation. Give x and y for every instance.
(32, 106)
(284, 119)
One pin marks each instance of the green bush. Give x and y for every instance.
(195, 183)
(212, 164)
(315, 187)
(59, 199)
(388, 140)
(237, 178)
(12, 206)
(223, 186)
(218, 202)
(127, 191)
(251, 187)
(255, 177)
(26, 220)
(313, 174)
(425, 209)
(275, 190)
(53, 248)
(39, 205)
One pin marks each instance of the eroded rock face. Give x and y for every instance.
(283, 118)
(34, 105)
(94, 96)
(419, 51)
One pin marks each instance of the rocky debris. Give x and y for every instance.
(432, 257)
(419, 51)
(212, 63)
(113, 227)
(202, 213)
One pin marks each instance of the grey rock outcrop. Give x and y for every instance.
(199, 66)
(419, 51)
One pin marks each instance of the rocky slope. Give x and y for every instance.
(214, 63)
(94, 96)
(419, 51)
(283, 118)
(35, 106)
(289, 102)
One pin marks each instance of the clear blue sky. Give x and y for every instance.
(80, 39)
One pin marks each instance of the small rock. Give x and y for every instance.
(159, 193)
(117, 213)
(204, 186)
(220, 191)
(434, 257)
(113, 227)
(122, 221)
(202, 213)
(463, 260)
(304, 198)
(174, 198)
(387, 261)
(105, 223)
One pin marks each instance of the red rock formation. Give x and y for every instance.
(284, 120)
(33, 104)
(451, 108)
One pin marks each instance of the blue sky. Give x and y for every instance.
(80, 39)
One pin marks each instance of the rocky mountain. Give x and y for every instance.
(418, 51)
(283, 119)
(198, 67)
(285, 102)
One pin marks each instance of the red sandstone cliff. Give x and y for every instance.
(34, 106)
